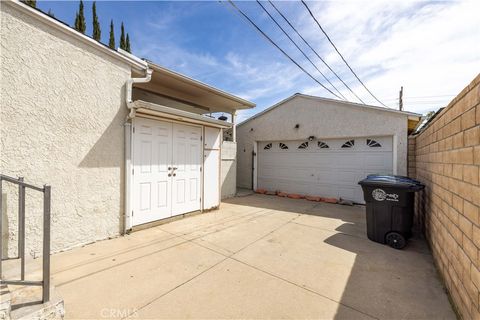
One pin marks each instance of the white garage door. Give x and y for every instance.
(330, 167)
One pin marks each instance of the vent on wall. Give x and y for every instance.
(348, 144)
(267, 146)
(322, 145)
(283, 146)
(373, 144)
(303, 145)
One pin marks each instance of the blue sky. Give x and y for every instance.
(431, 48)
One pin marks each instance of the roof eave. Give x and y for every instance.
(242, 103)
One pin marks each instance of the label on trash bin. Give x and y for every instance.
(381, 195)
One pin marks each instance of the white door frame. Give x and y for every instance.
(254, 164)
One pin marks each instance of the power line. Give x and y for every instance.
(341, 56)
(281, 50)
(295, 44)
(314, 51)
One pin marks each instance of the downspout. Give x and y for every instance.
(129, 90)
(128, 222)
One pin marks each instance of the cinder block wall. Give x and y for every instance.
(446, 157)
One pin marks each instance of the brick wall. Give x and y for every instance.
(446, 157)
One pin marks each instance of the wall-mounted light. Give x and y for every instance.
(251, 129)
(222, 118)
(297, 126)
(311, 138)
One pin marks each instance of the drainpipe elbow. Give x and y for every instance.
(129, 89)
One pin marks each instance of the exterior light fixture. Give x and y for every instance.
(311, 138)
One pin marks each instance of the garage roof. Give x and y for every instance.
(411, 115)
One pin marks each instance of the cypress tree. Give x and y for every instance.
(122, 38)
(111, 41)
(80, 24)
(31, 3)
(127, 44)
(96, 25)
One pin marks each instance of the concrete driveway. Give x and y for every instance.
(257, 257)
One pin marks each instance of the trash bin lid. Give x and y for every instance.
(392, 181)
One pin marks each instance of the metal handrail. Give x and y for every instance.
(47, 192)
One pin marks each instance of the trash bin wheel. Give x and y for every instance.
(395, 240)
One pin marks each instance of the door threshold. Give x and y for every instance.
(156, 223)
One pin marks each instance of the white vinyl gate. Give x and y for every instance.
(325, 167)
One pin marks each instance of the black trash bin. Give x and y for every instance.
(390, 208)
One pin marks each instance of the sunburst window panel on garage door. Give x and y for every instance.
(330, 172)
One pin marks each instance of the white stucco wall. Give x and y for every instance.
(322, 119)
(228, 169)
(61, 123)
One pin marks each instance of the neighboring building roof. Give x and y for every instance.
(346, 103)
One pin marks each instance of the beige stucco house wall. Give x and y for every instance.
(61, 126)
(322, 118)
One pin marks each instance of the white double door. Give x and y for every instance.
(167, 169)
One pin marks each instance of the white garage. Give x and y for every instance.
(328, 167)
(323, 147)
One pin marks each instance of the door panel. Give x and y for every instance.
(328, 167)
(151, 183)
(212, 179)
(186, 176)
(211, 182)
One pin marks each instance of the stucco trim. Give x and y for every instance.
(52, 22)
(156, 110)
(345, 103)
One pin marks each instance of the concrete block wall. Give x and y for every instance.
(411, 172)
(447, 159)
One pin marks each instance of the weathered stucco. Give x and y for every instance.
(322, 119)
(62, 114)
(229, 169)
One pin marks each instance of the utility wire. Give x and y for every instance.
(281, 50)
(295, 44)
(314, 51)
(341, 56)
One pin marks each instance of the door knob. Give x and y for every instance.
(169, 174)
(174, 174)
(175, 168)
(169, 168)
